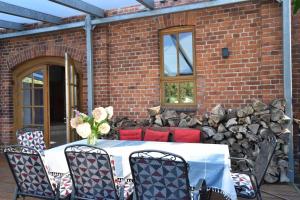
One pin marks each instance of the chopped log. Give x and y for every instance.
(279, 104)
(209, 131)
(245, 144)
(231, 113)
(173, 122)
(262, 112)
(238, 128)
(264, 132)
(231, 140)
(228, 134)
(183, 123)
(244, 120)
(224, 142)
(270, 178)
(182, 115)
(285, 149)
(217, 113)
(283, 165)
(255, 119)
(153, 111)
(236, 147)
(253, 128)
(285, 122)
(252, 137)
(285, 135)
(221, 128)
(275, 127)
(256, 150)
(193, 122)
(218, 136)
(258, 105)
(246, 111)
(169, 114)
(266, 118)
(276, 114)
(238, 136)
(264, 124)
(231, 122)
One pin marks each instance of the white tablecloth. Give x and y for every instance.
(208, 161)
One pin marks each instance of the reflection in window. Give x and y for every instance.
(33, 99)
(187, 92)
(38, 79)
(27, 115)
(171, 91)
(178, 79)
(170, 55)
(185, 54)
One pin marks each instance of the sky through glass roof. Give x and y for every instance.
(48, 7)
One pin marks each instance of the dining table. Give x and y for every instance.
(206, 161)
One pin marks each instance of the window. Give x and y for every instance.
(178, 80)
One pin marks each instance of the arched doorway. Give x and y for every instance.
(41, 87)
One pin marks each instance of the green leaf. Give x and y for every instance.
(296, 5)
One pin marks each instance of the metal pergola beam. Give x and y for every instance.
(10, 25)
(106, 20)
(81, 6)
(27, 13)
(287, 76)
(147, 3)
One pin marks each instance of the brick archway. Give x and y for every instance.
(45, 50)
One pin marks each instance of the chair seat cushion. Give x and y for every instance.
(128, 188)
(243, 185)
(131, 134)
(187, 135)
(64, 182)
(158, 136)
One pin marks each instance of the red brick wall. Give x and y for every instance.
(296, 64)
(126, 59)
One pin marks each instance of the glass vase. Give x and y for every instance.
(92, 139)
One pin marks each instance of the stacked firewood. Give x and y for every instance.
(241, 129)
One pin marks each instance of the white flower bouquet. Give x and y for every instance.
(91, 127)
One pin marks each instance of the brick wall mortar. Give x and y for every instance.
(126, 59)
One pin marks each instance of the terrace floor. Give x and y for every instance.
(286, 191)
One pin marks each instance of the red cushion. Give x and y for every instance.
(159, 136)
(187, 135)
(131, 134)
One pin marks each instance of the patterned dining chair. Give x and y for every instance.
(32, 177)
(93, 174)
(162, 176)
(31, 137)
(247, 185)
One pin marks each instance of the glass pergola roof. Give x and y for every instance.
(52, 8)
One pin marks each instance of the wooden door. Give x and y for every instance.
(31, 99)
(71, 84)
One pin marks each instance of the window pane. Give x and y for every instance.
(171, 92)
(170, 55)
(186, 53)
(27, 97)
(187, 92)
(27, 116)
(38, 115)
(27, 82)
(38, 79)
(38, 96)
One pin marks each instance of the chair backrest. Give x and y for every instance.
(31, 137)
(91, 172)
(267, 149)
(159, 175)
(29, 172)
